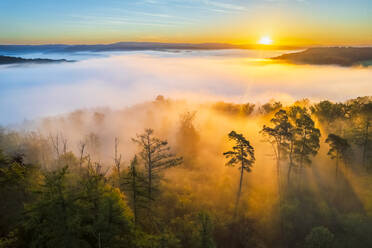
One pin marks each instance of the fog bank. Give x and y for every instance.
(123, 79)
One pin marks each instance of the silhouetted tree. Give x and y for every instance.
(234, 109)
(188, 138)
(361, 113)
(338, 149)
(304, 140)
(328, 112)
(242, 153)
(279, 137)
(270, 107)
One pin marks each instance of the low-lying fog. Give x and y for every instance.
(117, 80)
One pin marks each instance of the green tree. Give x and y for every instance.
(104, 210)
(134, 184)
(156, 155)
(77, 213)
(17, 179)
(242, 153)
(206, 231)
(319, 237)
(49, 219)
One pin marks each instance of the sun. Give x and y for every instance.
(265, 40)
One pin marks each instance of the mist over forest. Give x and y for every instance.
(185, 124)
(215, 148)
(177, 173)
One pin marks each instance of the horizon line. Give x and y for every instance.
(238, 45)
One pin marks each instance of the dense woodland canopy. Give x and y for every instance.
(171, 174)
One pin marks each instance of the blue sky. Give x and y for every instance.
(236, 21)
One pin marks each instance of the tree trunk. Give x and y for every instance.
(134, 186)
(117, 160)
(337, 156)
(290, 165)
(278, 171)
(365, 144)
(149, 169)
(239, 191)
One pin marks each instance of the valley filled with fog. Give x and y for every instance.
(138, 149)
(121, 79)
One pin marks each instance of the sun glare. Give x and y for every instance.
(265, 40)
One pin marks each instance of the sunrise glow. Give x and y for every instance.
(265, 40)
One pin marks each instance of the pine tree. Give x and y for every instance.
(338, 149)
(134, 185)
(304, 139)
(279, 137)
(242, 153)
(156, 155)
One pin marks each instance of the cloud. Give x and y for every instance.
(225, 6)
(109, 20)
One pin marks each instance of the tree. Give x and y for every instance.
(304, 140)
(135, 185)
(17, 180)
(206, 231)
(270, 107)
(117, 161)
(361, 116)
(188, 138)
(106, 220)
(328, 112)
(242, 153)
(319, 237)
(366, 112)
(156, 156)
(49, 220)
(279, 137)
(338, 149)
(77, 213)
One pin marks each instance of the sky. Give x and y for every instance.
(287, 22)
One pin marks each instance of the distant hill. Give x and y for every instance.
(18, 60)
(343, 56)
(125, 46)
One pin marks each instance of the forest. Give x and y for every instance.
(177, 174)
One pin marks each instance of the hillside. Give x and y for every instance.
(17, 60)
(343, 56)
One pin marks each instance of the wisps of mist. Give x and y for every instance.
(202, 181)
